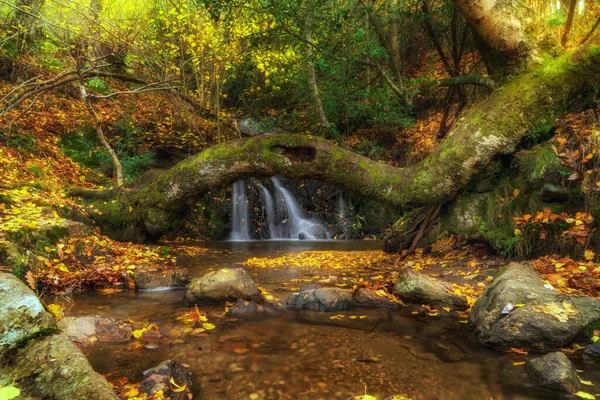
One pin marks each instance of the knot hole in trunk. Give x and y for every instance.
(296, 154)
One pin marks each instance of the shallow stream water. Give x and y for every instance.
(305, 355)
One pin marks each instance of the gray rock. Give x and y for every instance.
(465, 215)
(150, 278)
(224, 284)
(369, 298)
(548, 320)
(554, 372)
(243, 308)
(592, 352)
(82, 329)
(415, 287)
(323, 299)
(22, 316)
(54, 368)
(45, 365)
(159, 377)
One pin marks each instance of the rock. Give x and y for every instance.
(555, 372)
(465, 215)
(415, 287)
(318, 232)
(369, 298)
(22, 316)
(54, 368)
(592, 352)
(243, 308)
(153, 279)
(551, 193)
(159, 377)
(323, 299)
(82, 329)
(224, 284)
(544, 320)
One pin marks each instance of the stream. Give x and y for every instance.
(304, 355)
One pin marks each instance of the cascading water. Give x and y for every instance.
(240, 230)
(299, 227)
(281, 214)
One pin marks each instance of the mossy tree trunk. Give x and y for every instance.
(496, 126)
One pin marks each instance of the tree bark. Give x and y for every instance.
(496, 126)
(569, 22)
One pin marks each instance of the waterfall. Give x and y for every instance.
(239, 204)
(281, 213)
(299, 227)
(268, 207)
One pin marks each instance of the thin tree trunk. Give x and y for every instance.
(590, 33)
(100, 133)
(569, 23)
(312, 76)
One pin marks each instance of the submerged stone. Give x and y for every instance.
(365, 297)
(222, 285)
(415, 287)
(323, 299)
(159, 379)
(554, 372)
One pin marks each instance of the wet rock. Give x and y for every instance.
(83, 329)
(544, 319)
(151, 278)
(54, 368)
(224, 284)
(318, 232)
(592, 352)
(159, 377)
(419, 288)
(554, 372)
(243, 308)
(369, 298)
(323, 299)
(22, 316)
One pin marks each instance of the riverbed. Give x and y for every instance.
(302, 354)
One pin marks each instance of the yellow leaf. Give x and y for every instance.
(518, 363)
(447, 309)
(595, 339)
(516, 192)
(56, 309)
(81, 178)
(138, 333)
(586, 382)
(208, 326)
(585, 395)
(589, 255)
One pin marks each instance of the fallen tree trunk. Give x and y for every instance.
(496, 126)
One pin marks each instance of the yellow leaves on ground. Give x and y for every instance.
(557, 310)
(585, 395)
(175, 387)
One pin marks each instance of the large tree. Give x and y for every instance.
(538, 80)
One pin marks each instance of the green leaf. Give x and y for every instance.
(9, 392)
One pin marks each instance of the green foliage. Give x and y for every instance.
(539, 163)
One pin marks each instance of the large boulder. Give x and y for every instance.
(22, 316)
(159, 379)
(419, 288)
(554, 372)
(364, 297)
(151, 278)
(224, 284)
(322, 299)
(54, 368)
(519, 310)
(44, 364)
